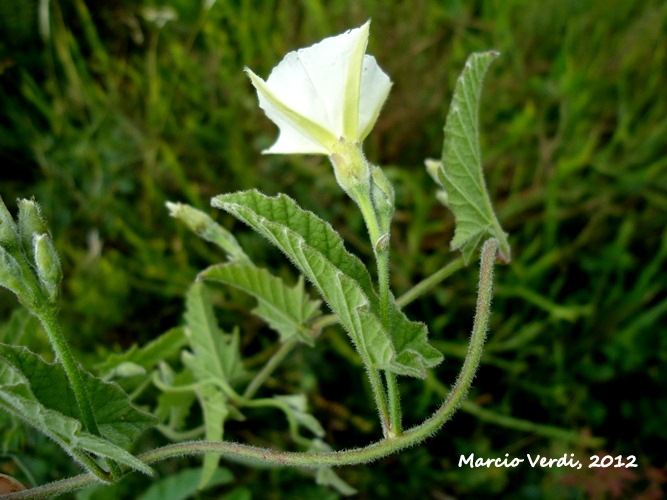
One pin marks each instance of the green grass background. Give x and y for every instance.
(106, 114)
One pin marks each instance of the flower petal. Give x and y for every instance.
(375, 87)
(298, 134)
(313, 81)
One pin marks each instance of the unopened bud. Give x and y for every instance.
(434, 169)
(30, 222)
(11, 277)
(9, 236)
(382, 194)
(47, 263)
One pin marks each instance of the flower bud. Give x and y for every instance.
(47, 263)
(11, 277)
(9, 236)
(30, 222)
(382, 194)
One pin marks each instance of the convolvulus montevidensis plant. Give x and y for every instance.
(325, 99)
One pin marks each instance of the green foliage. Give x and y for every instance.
(343, 281)
(110, 115)
(215, 362)
(40, 394)
(460, 172)
(288, 310)
(184, 484)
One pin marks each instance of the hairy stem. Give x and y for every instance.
(354, 456)
(411, 295)
(48, 318)
(381, 252)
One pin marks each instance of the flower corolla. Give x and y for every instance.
(324, 97)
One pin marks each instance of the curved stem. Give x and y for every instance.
(48, 319)
(369, 453)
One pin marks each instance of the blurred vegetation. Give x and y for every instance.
(111, 108)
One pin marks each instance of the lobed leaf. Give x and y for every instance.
(217, 354)
(286, 309)
(148, 356)
(215, 362)
(460, 172)
(318, 251)
(39, 393)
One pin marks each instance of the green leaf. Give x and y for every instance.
(217, 354)
(286, 309)
(461, 170)
(39, 393)
(205, 227)
(215, 362)
(166, 345)
(20, 323)
(318, 251)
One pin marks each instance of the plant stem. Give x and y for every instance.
(381, 252)
(380, 399)
(428, 283)
(266, 371)
(412, 294)
(48, 317)
(367, 454)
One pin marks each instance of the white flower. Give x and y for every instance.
(324, 96)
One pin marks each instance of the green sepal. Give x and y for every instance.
(9, 235)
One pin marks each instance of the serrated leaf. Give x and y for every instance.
(318, 251)
(461, 170)
(215, 407)
(166, 345)
(285, 224)
(39, 393)
(286, 309)
(215, 362)
(217, 354)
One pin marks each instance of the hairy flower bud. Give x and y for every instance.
(47, 264)
(30, 222)
(9, 236)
